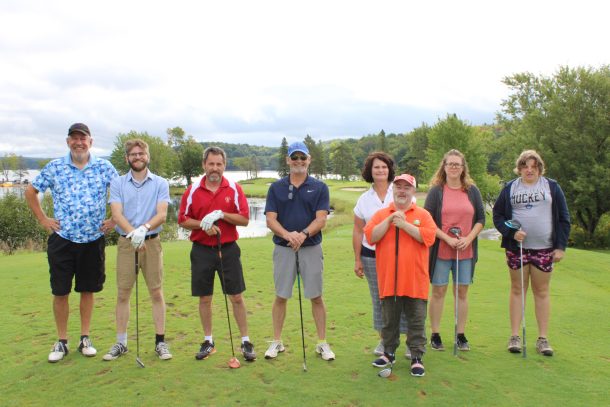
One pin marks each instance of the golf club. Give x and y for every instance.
(457, 232)
(138, 360)
(233, 363)
(301, 309)
(516, 225)
(396, 263)
(387, 372)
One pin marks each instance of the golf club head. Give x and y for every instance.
(234, 363)
(457, 231)
(513, 224)
(139, 362)
(304, 367)
(385, 373)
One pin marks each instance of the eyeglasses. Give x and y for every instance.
(290, 188)
(453, 165)
(296, 157)
(134, 155)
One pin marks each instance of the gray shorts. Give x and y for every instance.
(311, 267)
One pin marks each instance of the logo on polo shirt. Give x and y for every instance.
(310, 190)
(227, 199)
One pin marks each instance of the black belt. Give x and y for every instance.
(147, 236)
(366, 252)
(216, 246)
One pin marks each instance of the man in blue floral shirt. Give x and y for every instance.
(79, 185)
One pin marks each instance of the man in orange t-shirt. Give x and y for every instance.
(402, 234)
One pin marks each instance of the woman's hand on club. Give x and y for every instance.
(520, 236)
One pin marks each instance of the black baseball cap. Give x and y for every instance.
(80, 128)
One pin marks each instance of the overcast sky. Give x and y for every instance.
(256, 71)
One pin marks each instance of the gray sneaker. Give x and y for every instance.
(162, 350)
(514, 344)
(117, 350)
(543, 347)
(462, 343)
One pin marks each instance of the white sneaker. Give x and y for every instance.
(58, 352)
(163, 351)
(323, 349)
(274, 348)
(86, 347)
(379, 349)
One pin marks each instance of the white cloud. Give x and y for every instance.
(254, 72)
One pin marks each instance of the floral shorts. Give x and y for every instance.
(539, 258)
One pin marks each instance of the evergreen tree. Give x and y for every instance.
(343, 161)
(282, 168)
(382, 142)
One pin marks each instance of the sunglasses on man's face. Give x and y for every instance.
(296, 157)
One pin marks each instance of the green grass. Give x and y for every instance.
(488, 375)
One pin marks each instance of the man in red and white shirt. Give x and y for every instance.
(208, 208)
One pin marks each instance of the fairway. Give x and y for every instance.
(578, 374)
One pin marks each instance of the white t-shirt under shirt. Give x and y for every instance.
(368, 204)
(532, 206)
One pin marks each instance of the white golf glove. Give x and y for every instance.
(137, 236)
(209, 219)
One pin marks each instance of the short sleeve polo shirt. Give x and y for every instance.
(296, 207)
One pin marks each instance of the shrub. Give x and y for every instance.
(18, 227)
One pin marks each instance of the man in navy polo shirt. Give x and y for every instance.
(296, 210)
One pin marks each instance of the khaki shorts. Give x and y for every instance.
(150, 262)
(311, 268)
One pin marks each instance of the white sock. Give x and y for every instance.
(245, 339)
(209, 338)
(122, 338)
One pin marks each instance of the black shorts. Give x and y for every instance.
(85, 262)
(205, 263)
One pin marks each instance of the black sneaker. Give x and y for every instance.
(436, 343)
(386, 360)
(207, 348)
(417, 367)
(462, 343)
(247, 349)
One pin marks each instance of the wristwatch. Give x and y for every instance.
(147, 226)
(305, 232)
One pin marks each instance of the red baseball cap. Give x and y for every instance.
(410, 179)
